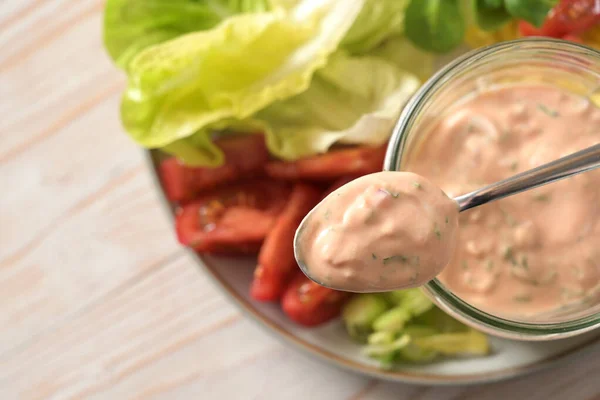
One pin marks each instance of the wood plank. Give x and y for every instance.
(15, 11)
(33, 26)
(115, 235)
(167, 335)
(54, 86)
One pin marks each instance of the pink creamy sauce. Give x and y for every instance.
(532, 253)
(380, 232)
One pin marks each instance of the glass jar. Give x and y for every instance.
(570, 66)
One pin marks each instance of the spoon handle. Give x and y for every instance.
(581, 161)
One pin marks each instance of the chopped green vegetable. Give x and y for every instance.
(378, 350)
(360, 312)
(413, 301)
(417, 185)
(413, 330)
(471, 342)
(414, 353)
(440, 321)
(399, 333)
(435, 25)
(392, 320)
(381, 338)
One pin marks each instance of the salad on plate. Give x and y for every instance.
(263, 107)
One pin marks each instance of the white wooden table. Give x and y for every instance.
(96, 298)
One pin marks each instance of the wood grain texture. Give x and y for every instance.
(97, 301)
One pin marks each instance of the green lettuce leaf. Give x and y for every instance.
(407, 57)
(378, 20)
(132, 25)
(352, 100)
(200, 80)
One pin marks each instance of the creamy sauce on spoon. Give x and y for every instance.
(380, 232)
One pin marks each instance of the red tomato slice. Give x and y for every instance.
(276, 262)
(231, 220)
(332, 165)
(310, 304)
(244, 157)
(566, 18)
(573, 38)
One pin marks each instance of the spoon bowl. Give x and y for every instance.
(581, 161)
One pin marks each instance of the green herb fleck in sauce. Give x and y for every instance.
(514, 165)
(437, 232)
(509, 219)
(547, 111)
(394, 195)
(327, 214)
(447, 220)
(522, 298)
(525, 263)
(489, 265)
(374, 256)
(544, 198)
(470, 127)
(417, 185)
(371, 217)
(464, 264)
(509, 255)
(505, 135)
(394, 259)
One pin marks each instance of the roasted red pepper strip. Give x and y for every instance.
(329, 166)
(245, 157)
(310, 304)
(276, 262)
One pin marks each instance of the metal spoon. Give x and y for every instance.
(581, 161)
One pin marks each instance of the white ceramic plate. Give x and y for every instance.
(332, 344)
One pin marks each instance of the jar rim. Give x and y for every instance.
(445, 299)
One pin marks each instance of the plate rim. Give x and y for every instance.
(277, 331)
